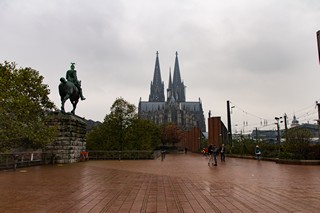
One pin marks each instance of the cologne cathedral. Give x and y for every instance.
(175, 109)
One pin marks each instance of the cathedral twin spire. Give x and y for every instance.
(157, 85)
(176, 88)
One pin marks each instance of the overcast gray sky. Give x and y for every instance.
(259, 54)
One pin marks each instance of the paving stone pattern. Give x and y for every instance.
(180, 183)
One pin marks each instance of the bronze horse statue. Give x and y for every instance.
(68, 90)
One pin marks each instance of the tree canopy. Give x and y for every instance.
(298, 143)
(123, 130)
(171, 134)
(24, 103)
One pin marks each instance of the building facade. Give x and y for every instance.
(217, 132)
(174, 109)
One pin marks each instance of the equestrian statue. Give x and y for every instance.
(70, 89)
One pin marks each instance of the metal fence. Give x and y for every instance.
(24, 159)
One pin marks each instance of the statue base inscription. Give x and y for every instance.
(70, 140)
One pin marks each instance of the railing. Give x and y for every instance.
(119, 155)
(24, 159)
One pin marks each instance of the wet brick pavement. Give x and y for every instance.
(181, 183)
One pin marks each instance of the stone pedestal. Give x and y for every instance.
(70, 140)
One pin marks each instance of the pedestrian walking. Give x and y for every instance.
(258, 152)
(222, 153)
(215, 151)
(210, 153)
(206, 152)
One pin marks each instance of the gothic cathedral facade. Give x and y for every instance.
(175, 109)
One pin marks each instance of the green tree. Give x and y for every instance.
(123, 130)
(297, 145)
(121, 117)
(143, 135)
(24, 103)
(171, 134)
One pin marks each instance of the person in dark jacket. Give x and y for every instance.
(215, 151)
(258, 152)
(210, 153)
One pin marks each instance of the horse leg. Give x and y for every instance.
(74, 104)
(63, 101)
(62, 105)
(74, 109)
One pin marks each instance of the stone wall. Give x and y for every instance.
(70, 140)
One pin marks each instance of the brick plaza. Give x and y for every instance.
(180, 183)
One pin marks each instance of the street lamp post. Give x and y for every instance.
(318, 44)
(229, 122)
(278, 130)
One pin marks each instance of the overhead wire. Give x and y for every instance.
(303, 115)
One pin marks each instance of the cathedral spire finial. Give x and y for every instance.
(157, 53)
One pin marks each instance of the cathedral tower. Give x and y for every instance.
(157, 86)
(178, 88)
(185, 114)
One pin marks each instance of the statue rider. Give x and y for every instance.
(72, 77)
